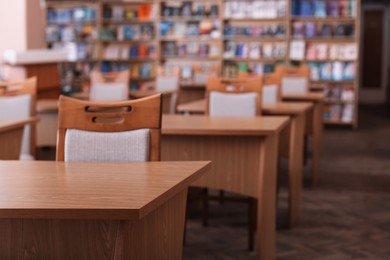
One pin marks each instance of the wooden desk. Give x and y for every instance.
(244, 156)
(314, 127)
(11, 135)
(291, 143)
(57, 210)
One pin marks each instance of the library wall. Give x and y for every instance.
(36, 23)
(12, 25)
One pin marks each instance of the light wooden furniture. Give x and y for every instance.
(235, 145)
(109, 86)
(314, 127)
(281, 19)
(59, 210)
(111, 117)
(11, 134)
(291, 143)
(237, 86)
(19, 100)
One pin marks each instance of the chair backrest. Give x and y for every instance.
(18, 101)
(109, 131)
(233, 96)
(168, 80)
(294, 79)
(271, 88)
(110, 86)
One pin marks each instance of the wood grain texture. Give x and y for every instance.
(314, 127)
(126, 191)
(231, 126)
(132, 115)
(11, 135)
(157, 235)
(244, 148)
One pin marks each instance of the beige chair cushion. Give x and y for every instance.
(109, 92)
(294, 85)
(167, 83)
(15, 108)
(226, 104)
(86, 146)
(270, 94)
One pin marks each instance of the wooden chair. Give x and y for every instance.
(272, 92)
(234, 97)
(17, 102)
(109, 86)
(109, 131)
(294, 79)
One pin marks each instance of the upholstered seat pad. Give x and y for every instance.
(292, 85)
(15, 108)
(226, 104)
(109, 92)
(87, 146)
(270, 94)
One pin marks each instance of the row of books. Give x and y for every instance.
(128, 32)
(324, 51)
(324, 8)
(335, 71)
(127, 51)
(254, 50)
(67, 15)
(265, 30)
(339, 112)
(189, 9)
(205, 27)
(140, 12)
(194, 49)
(246, 68)
(325, 30)
(195, 72)
(339, 93)
(137, 71)
(59, 33)
(255, 9)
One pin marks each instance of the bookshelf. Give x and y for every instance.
(219, 37)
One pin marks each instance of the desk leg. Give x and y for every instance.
(266, 200)
(296, 167)
(11, 144)
(317, 141)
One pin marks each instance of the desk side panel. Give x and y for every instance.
(235, 160)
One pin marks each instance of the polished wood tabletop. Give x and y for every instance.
(8, 125)
(206, 125)
(286, 108)
(39, 189)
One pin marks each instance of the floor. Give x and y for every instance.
(346, 217)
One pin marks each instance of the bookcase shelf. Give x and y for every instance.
(273, 27)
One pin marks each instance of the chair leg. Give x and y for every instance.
(305, 150)
(205, 208)
(221, 197)
(252, 223)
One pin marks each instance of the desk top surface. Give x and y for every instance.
(280, 108)
(206, 125)
(14, 124)
(37, 189)
(309, 96)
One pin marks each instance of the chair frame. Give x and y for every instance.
(294, 71)
(239, 86)
(27, 87)
(274, 78)
(138, 114)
